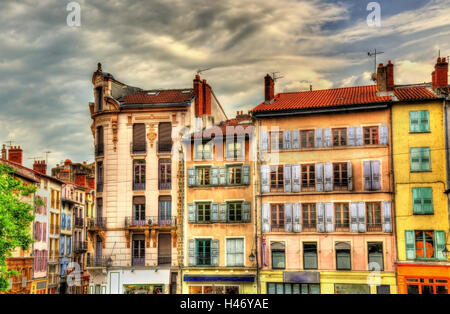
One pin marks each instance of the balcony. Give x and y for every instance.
(374, 227)
(138, 148)
(98, 261)
(99, 186)
(164, 147)
(164, 259)
(342, 228)
(150, 221)
(137, 223)
(277, 228)
(53, 279)
(165, 185)
(309, 227)
(138, 186)
(99, 150)
(78, 222)
(138, 261)
(80, 247)
(97, 223)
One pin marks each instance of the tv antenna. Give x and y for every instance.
(203, 70)
(46, 156)
(9, 143)
(35, 158)
(374, 54)
(275, 77)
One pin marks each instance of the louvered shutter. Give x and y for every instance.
(192, 213)
(245, 174)
(265, 187)
(295, 139)
(384, 135)
(320, 217)
(327, 138)
(387, 216)
(424, 121)
(274, 140)
(264, 141)
(376, 176)
(214, 212)
(410, 244)
(44, 238)
(215, 176)
(296, 179)
(297, 213)
(288, 217)
(361, 217)
(359, 136)
(318, 138)
(192, 260)
(165, 137)
(223, 176)
(328, 177)
(319, 177)
(367, 176)
(265, 216)
(350, 175)
(215, 253)
(246, 212)
(287, 178)
(139, 137)
(223, 212)
(354, 217)
(329, 225)
(63, 220)
(191, 177)
(351, 136)
(287, 140)
(414, 121)
(440, 242)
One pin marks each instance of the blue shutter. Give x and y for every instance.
(223, 212)
(297, 225)
(287, 140)
(359, 136)
(61, 246)
(192, 213)
(361, 217)
(376, 175)
(354, 217)
(410, 244)
(215, 253)
(264, 145)
(69, 217)
(68, 245)
(246, 212)
(424, 121)
(328, 177)
(296, 179)
(384, 135)
(63, 221)
(350, 175)
(387, 216)
(414, 121)
(319, 177)
(245, 174)
(329, 225)
(367, 176)
(351, 136)
(295, 139)
(191, 252)
(287, 178)
(320, 217)
(265, 187)
(191, 177)
(214, 212)
(318, 138)
(215, 176)
(265, 216)
(288, 217)
(327, 138)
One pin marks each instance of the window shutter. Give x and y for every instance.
(240, 249)
(265, 217)
(296, 182)
(359, 136)
(69, 217)
(214, 212)
(351, 140)
(329, 217)
(215, 176)
(361, 217)
(264, 141)
(165, 136)
(223, 212)
(424, 121)
(417, 201)
(191, 177)
(198, 151)
(384, 135)
(387, 216)
(287, 140)
(327, 138)
(350, 175)
(287, 178)
(320, 217)
(245, 174)
(318, 138)
(414, 121)
(319, 177)
(63, 220)
(192, 213)
(223, 176)
(427, 199)
(297, 213)
(215, 252)
(61, 247)
(295, 139)
(192, 259)
(44, 238)
(265, 187)
(376, 184)
(440, 244)
(367, 176)
(288, 217)
(328, 177)
(354, 217)
(139, 135)
(246, 214)
(410, 244)
(415, 159)
(274, 139)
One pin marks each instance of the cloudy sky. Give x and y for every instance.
(46, 65)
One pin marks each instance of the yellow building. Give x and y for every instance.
(421, 182)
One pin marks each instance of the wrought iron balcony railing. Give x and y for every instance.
(138, 186)
(99, 186)
(374, 227)
(164, 259)
(138, 261)
(80, 247)
(98, 261)
(150, 221)
(78, 222)
(96, 223)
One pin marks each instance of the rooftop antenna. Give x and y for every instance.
(308, 82)
(374, 54)
(275, 77)
(35, 158)
(202, 70)
(46, 156)
(9, 143)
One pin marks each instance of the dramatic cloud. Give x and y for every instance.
(46, 65)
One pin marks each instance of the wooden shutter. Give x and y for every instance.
(327, 138)
(367, 176)
(265, 215)
(359, 136)
(424, 121)
(354, 217)
(63, 220)
(214, 212)
(274, 139)
(320, 217)
(328, 177)
(264, 145)
(361, 217)
(265, 172)
(215, 176)
(191, 177)
(350, 175)
(191, 249)
(387, 216)
(351, 136)
(165, 136)
(223, 176)
(223, 212)
(415, 159)
(297, 213)
(215, 253)
(192, 213)
(414, 121)
(427, 199)
(318, 138)
(417, 201)
(287, 140)
(384, 135)
(288, 217)
(329, 225)
(440, 243)
(295, 139)
(410, 244)
(319, 177)
(287, 178)
(296, 179)
(246, 212)
(376, 175)
(245, 174)
(139, 134)
(139, 200)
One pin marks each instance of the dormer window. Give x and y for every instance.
(99, 98)
(153, 93)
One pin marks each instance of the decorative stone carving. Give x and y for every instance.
(115, 128)
(152, 117)
(151, 135)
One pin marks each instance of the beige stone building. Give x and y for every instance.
(136, 234)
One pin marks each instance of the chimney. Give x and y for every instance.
(198, 94)
(381, 79)
(15, 154)
(40, 166)
(4, 154)
(206, 98)
(80, 179)
(390, 76)
(91, 183)
(269, 89)
(440, 74)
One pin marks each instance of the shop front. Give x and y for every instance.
(139, 281)
(290, 282)
(39, 286)
(344, 282)
(423, 279)
(216, 283)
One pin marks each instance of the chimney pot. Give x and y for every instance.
(15, 154)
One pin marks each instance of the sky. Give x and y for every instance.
(46, 65)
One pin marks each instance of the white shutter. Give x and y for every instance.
(265, 215)
(351, 139)
(319, 138)
(287, 178)
(264, 145)
(387, 216)
(296, 179)
(320, 217)
(328, 177)
(297, 225)
(329, 217)
(361, 217)
(327, 138)
(354, 217)
(295, 139)
(319, 177)
(350, 175)
(359, 136)
(265, 172)
(288, 217)
(384, 135)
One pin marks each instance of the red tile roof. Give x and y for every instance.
(161, 97)
(340, 97)
(221, 129)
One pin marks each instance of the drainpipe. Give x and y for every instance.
(445, 104)
(257, 243)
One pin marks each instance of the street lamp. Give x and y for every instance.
(251, 257)
(445, 252)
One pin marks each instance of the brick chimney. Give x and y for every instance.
(198, 94)
(40, 166)
(91, 183)
(4, 152)
(80, 179)
(269, 89)
(440, 74)
(385, 77)
(15, 154)
(206, 98)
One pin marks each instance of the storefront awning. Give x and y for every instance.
(219, 278)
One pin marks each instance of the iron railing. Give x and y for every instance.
(277, 228)
(96, 223)
(309, 227)
(97, 261)
(80, 247)
(78, 222)
(165, 185)
(150, 221)
(138, 186)
(138, 148)
(374, 227)
(164, 259)
(164, 147)
(99, 186)
(99, 150)
(138, 261)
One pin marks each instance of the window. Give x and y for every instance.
(203, 212)
(375, 253)
(371, 135)
(234, 211)
(373, 217)
(139, 210)
(278, 255)
(340, 137)
(423, 285)
(235, 252)
(165, 137)
(203, 151)
(310, 255)
(235, 149)
(203, 175)
(420, 159)
(340, 178)
(277, 217)
(139, 140)
(307, 139)
(68, 245)
(99, 149)
(203, 252)
(139, 175)
(99, 91)
(308, 177)
(138, 258)
(234, 175)
(276, 178)
(422, 201)
(309, 217)
(343, 256)
(165, 210)
(165, 174)
(372, 178)
(100, 176)
(419, 121)
(424, 244)
(293, 288)
(341, 211)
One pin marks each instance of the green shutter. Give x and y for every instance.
(215, 253)
(245, 174)
(439, 244)
(417, 201)
(414, 121)
(246, 212)
(424, 121)
(192, 213)
(425, 159)
(415, 159)
(410, 244)
(191, 260)
(427, 199)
